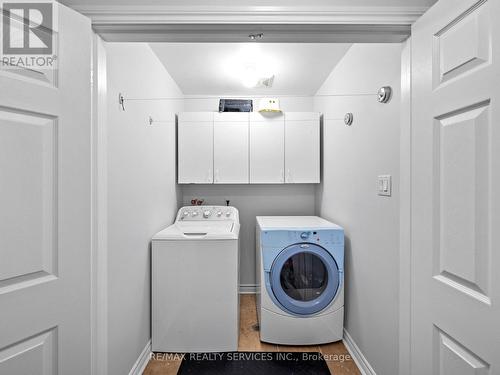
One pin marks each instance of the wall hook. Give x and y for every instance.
(121, 101)
(150, 120)
(348, 118)
(384, 94)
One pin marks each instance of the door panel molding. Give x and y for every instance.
(461, 200)
(36, 354)
(462, 45)
(29, 146)
(454, 358)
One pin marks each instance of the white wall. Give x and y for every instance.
(253, 200)
(352, 159)
(142, 192)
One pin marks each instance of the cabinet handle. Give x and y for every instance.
(288, 176)
(216, 175)
(209, 175)
(282, 177)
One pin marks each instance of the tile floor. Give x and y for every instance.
(249, 341)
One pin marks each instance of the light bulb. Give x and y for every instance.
(249, 77)
(249, 82)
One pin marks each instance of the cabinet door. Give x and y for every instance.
(267, 149)
(231, 148)
(302, 148)
(195, 148)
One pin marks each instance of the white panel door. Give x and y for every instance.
(302, 147)
(195, 148)
(456, 189)
(45, 200)
(267, 149)
(231, 148)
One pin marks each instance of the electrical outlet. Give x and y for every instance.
(384, 186)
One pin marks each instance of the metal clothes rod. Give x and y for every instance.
(383, 96)
(242, 96)
(152, 121)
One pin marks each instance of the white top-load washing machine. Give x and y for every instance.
(300, 280)
(195, 277)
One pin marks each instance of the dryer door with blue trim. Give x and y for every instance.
(304, 278)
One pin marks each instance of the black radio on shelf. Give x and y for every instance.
(235, 105)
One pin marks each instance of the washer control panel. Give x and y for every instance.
(305, 235)
(205, 213)
(318, 236)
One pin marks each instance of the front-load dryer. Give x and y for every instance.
(300, 280)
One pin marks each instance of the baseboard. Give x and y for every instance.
(248, 288)
(142, 361)
(357, 355)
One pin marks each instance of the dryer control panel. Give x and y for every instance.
(206, 213)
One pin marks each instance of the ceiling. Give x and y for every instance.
(222, 68)
(246, 3)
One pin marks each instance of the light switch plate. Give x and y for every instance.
(384, 186)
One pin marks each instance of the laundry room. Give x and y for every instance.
(154, 90)
(249, 187)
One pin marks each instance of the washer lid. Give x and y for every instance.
(195, 230)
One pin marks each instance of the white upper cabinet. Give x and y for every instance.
(267, 148)
(302, 147)
(231, 148)
(242, 148)
(195, 147)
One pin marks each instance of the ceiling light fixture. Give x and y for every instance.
(252, 66)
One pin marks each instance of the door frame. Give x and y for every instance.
(405, 212)
(99, 228)
(211, 24)
(234, 23)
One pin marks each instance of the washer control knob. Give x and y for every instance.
(206, 214)
(186, 213)
(304, 235)
(195, 213)
(219, 214)
(228, 213)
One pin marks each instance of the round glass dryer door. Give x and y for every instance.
(304, 278)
